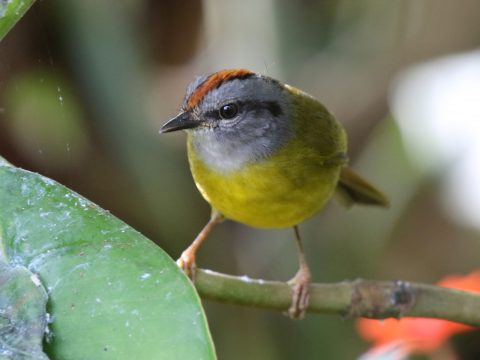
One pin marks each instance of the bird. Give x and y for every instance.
(267, 155)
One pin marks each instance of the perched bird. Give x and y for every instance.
(265, 154)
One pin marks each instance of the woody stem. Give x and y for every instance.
(358, 298)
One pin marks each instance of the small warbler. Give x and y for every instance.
(265, 154)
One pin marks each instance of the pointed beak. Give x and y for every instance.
(180, 122)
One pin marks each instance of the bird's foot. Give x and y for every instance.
(186, 262)
(300, 295)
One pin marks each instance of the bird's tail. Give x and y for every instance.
(354, 189)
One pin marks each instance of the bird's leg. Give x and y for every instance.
(300, 282)
(186, 261)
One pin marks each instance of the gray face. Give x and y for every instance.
(258, 127)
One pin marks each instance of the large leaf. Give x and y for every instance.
(113, 294)
(10, 12)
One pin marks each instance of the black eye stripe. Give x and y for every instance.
(250, 105)
(272, 106)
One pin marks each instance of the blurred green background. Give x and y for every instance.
(86, 85)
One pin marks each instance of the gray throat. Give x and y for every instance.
(226, 152)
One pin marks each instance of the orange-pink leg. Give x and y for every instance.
(186, 261)
(300, 282)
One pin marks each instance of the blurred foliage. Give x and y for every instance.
(42, 123)
(122, 70)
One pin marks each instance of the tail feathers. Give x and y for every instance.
(354, 189)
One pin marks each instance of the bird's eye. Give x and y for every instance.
(228, 111)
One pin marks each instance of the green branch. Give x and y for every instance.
(358, 298)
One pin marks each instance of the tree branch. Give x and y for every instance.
(358, 298)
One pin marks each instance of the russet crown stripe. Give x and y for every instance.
(214, 81)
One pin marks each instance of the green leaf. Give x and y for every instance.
(10, 12)
(113, 294)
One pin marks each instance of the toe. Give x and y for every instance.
(186, 262)
(300, 297)
(300, 293)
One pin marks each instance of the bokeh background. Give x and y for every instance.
(86, 85)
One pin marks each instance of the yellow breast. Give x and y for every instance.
(266, 194)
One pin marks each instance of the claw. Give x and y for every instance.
(300, 295)
(186, 262)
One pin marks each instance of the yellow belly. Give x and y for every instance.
(277, 192)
